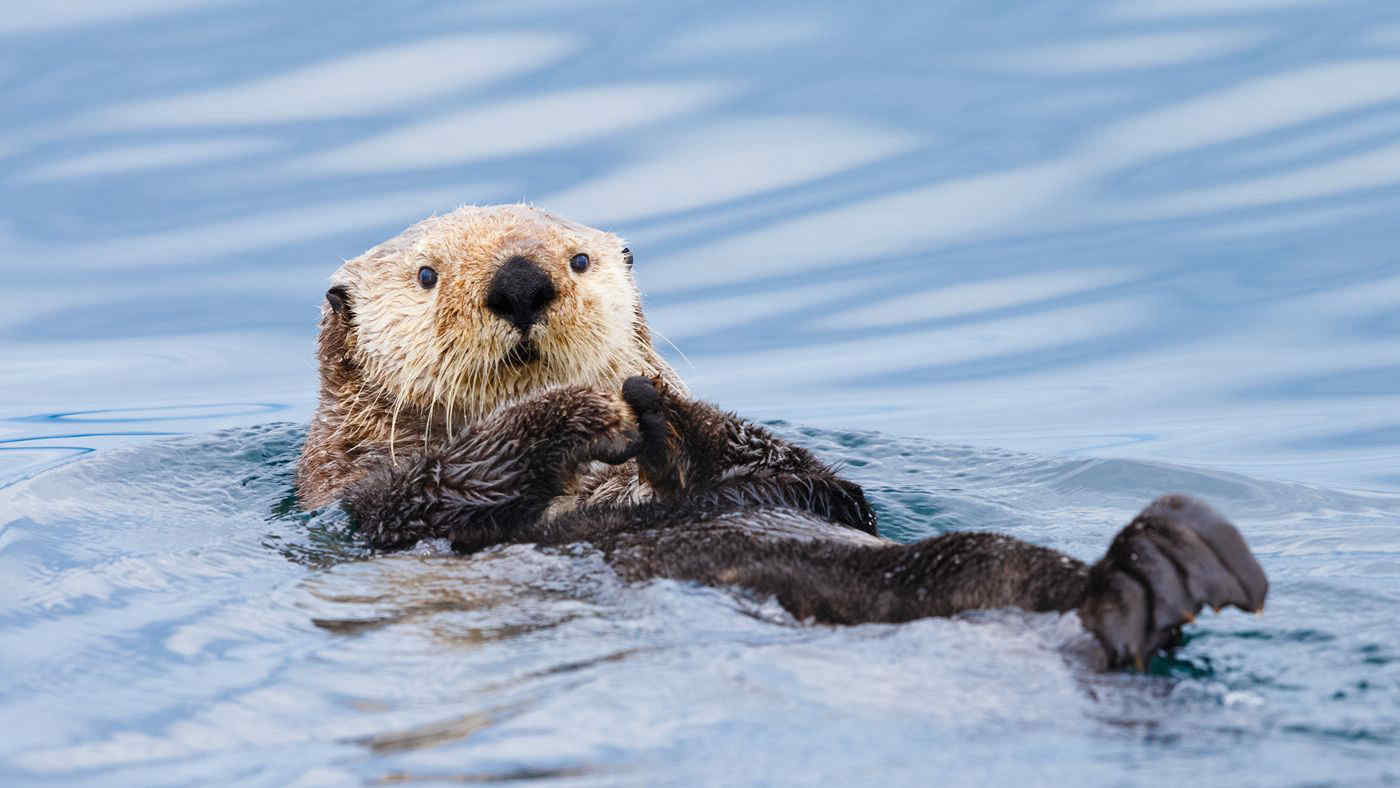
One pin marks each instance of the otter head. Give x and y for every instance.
(463, 312)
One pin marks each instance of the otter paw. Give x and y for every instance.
(1175, 557)
(622, 439)
(642, 396)
(636, 422)
(647, 399)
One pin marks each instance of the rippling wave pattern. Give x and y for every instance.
(191, 625)
(1076, 252)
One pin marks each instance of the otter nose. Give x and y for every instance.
(519, 293)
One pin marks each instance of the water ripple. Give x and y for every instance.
(173, 587)
(1101, 235)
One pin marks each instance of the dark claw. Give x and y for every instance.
(653, 456)
(1175, 557)
(641, 394)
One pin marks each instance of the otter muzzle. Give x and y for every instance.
(519, 293)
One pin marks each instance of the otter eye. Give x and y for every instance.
(427, 277)
(579, 263)
(627, 256)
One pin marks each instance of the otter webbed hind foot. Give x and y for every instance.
(1174, 558)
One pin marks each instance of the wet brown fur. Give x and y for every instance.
(737, 506)
(430, 432)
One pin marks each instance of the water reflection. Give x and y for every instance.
(1167, 9)
(753, 35)
(989, 295)
(367, 83)
(517, 127)
(212, 411)
(155, 593)
(1154, 50)
(260, 231)
(136, 158)
(29, 16)
(723, 162)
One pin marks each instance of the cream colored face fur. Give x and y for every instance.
(441, 351)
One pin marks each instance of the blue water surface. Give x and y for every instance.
(1018, 266)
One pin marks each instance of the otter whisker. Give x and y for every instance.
(393, 433)
(432, 402)
(399, 400)
(457, 383)
(447, 384)
(674, 347)
(451, 395)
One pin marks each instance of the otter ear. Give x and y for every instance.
(337, 335)
(339, 299)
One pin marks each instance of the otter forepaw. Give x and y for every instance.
(646, 397)
(643, 397)
(641, 426)
(616, 449)
(394, 508)
(1175, 557)
(621, 440)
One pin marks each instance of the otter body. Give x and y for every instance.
(570, 429)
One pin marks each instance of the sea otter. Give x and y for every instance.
(571, 429)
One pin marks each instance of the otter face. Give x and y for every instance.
(462, 312)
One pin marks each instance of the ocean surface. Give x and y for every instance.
(1015, 266)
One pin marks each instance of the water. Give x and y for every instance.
(1018, 266)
